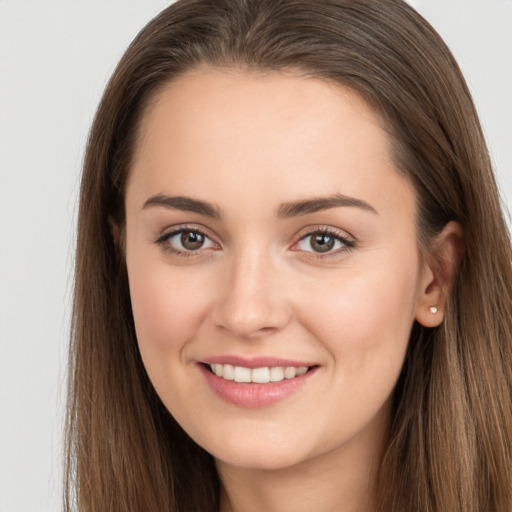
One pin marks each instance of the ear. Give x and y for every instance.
(440, 268)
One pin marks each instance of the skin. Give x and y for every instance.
(247, 143)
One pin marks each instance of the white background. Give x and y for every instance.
(55, 59)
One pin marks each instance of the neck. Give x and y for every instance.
(341, 480)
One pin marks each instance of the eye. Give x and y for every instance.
(322, 242)
(186, 241)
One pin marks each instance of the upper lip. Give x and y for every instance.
(256, 362)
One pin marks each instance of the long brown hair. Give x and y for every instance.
(450, 446)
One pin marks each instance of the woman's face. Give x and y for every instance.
(266, 228)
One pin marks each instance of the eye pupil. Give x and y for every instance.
(322, 242)
(192, 240)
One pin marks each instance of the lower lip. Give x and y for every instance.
(252, 395)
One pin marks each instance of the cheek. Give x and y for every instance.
(168, 307)
(365, 317)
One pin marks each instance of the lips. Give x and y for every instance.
(257, 382)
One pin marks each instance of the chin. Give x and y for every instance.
(262, 450)
(259, 459)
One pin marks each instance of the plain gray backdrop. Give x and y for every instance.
(55, 59)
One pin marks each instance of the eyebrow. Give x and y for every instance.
(285, 211)
(297, 208)
(183, 203)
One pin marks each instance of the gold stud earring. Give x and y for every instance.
(433, 309)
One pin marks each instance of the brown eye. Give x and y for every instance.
(184, 242)
(192, 240)
(322, 242)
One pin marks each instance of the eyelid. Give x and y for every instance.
(324, 228)
(348, 241)
(172, 231)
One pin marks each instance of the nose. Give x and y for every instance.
(253, 301)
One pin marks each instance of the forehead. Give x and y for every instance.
(226, 132)
(208, 98)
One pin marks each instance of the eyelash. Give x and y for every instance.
(347, 244)
(165, 238)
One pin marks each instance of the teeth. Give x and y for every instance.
(228, 372)
(276, 374)
(289, 372)
(260, 375)
(242, 374)
(257, 375)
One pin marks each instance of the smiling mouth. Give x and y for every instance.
(261, 375)
(256, 385)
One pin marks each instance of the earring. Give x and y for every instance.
(433, 309)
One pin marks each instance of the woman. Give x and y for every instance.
(293, 276)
